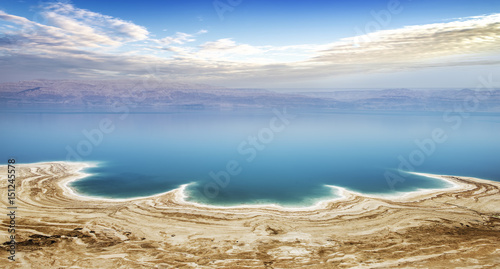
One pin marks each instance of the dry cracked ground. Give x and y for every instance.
(448, 229)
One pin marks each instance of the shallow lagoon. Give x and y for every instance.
(255, 157)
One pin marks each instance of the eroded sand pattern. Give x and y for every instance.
(456, 227)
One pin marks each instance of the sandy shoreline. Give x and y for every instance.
(441, 227)
(180, 193)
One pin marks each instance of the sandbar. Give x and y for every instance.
(58, 228)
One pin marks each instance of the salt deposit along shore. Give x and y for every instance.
(57, 228)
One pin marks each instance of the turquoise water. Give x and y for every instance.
(252, 157)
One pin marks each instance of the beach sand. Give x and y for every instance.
(56, 228)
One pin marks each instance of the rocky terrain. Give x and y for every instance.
(157, 96)
(446, 228)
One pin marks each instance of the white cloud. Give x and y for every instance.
(421, 42)
(179, 38)
(67, 17)
(70, 26)
(75, 42)
(227, 46)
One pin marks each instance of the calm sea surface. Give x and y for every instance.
(251, 157)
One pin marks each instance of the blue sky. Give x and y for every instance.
(270, 44)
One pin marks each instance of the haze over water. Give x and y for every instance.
(255, 157)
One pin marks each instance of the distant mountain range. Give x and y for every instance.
(104, 95)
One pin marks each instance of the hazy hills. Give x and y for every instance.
(139, 95)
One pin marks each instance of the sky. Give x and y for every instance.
(264, 44)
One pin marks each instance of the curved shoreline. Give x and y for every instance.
(432, 228)
(180, 193)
